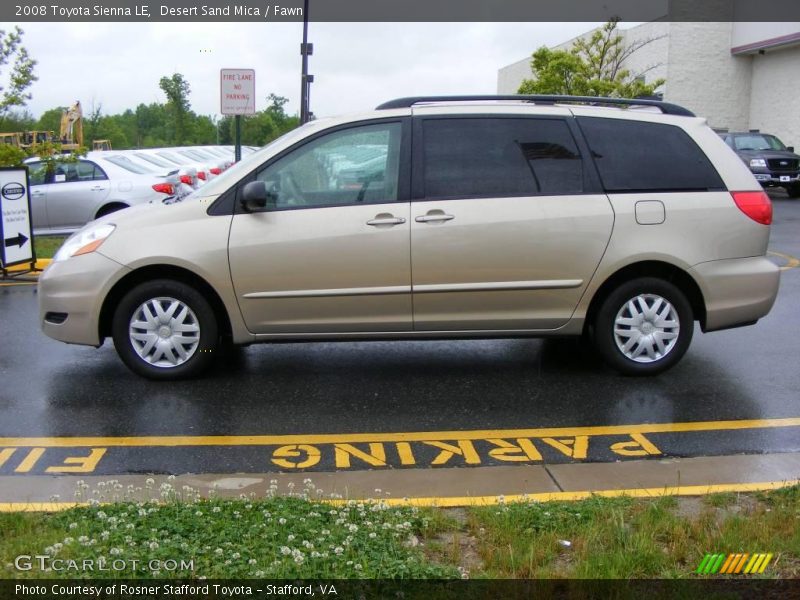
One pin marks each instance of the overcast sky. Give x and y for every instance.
(356, 66)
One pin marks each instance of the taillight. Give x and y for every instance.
(164, 188)
(216, 170)
(186, 179)
(755, 205)
(201, 175)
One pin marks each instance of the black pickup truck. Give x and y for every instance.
(772, 163)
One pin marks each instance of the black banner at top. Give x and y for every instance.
(397, 10)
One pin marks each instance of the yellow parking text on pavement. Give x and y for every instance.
(356, 451)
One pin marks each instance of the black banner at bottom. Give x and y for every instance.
(347, 589)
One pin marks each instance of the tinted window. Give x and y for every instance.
(500, 157)
(636, 156)
(344, 167)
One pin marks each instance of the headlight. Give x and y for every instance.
(758, 162)
(85, 241)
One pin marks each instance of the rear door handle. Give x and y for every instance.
(386, 221)
(434, 218)
(98, 188)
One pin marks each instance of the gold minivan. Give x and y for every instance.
(436, 217)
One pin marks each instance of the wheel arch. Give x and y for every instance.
(151, 272)
(651, 268)
(106, 206)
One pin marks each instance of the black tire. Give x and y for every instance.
(188, 355)
(646, 290)
(793, 191)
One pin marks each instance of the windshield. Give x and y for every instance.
(152, 159)
(172, 158)
(128, 164)
(758, 141)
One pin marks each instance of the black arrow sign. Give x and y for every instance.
(15, 241)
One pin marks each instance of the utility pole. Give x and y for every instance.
(306, 50)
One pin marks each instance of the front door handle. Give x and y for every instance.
(434, 217)
(386, 220)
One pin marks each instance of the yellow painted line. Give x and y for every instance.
(792, 262)
(425, 436)
(455, 501)
(17, 283)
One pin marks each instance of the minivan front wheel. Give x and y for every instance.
(644, 326)
(165, 330)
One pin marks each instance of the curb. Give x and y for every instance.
(450, 487)
(40, 265)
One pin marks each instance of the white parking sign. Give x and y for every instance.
(15, 225)
(237, 91)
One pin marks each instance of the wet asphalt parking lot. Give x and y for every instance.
(325, 406)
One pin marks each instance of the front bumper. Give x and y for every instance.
(737, 291)
(767, 178)
(71, 294)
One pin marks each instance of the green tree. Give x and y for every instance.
(50, 120)
(592, 67)
(21, 77)
(177, 90)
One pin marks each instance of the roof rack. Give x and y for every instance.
(666, 107)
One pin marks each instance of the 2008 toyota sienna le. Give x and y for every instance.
(459, 217)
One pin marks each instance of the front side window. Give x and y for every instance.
(350, 166)
(500, 157)
(37, 173)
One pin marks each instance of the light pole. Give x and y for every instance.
(306, 50)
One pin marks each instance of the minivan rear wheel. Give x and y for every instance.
(165, 330)
(644, 326)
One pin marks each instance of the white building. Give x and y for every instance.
(739, 76)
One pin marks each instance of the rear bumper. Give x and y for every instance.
(737, 291)
(71, 294)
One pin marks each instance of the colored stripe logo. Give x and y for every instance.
(741, 563)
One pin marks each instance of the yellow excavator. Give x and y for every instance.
(71, 134)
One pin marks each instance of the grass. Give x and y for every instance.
(46, 245)
(631, 538)
(292, 536)
(303, 535)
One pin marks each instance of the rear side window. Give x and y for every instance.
(495, 157)
(634, 156)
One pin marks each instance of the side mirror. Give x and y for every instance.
(256, 198)
(790, 148)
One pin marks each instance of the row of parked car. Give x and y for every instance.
(67, 194)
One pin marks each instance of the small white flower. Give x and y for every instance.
(218, 551)
(153, 545)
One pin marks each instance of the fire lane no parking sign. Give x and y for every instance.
(15, 224)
